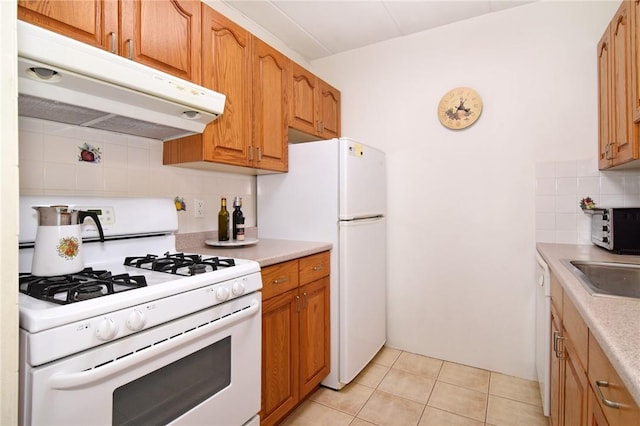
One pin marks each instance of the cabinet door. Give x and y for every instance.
(329, 110)
(314, 335)
(622, 118)
(270, 115)
(635, 59)
(94, 22)
(280, 354)
(605, 153)
(164, 34)
(575, 388)
(595, 416)
(556, 370)
(226, 68)
(303, 100)
(604, 379)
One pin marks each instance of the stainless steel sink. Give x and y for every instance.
(607, 278)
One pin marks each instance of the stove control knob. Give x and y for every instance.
(136, 320)
(238, 288)
(107, 329)
(222, 293)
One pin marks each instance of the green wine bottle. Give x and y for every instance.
(223, 221)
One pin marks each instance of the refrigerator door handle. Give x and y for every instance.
(362, 217)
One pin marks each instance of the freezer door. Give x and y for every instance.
(362, 180)
(363, 278)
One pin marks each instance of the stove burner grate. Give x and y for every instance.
(87, 284)
(179, 263)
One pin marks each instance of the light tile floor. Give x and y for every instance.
(400, 388)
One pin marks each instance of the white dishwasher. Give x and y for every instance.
(543, 329)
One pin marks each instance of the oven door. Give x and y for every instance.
(200, 369)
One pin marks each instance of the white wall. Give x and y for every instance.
(560, 185)
(130, 166)
(461, 203)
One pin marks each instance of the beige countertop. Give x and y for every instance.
(266, 252)
(613, 321)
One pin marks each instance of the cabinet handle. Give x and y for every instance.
(250, 152)
(280, 280)
(316, 268)
(113, 42)
(605, 401)
(259, 153)
(130, 43)
(305, 302)
(608, 152)
(556, 345)
(297, 303)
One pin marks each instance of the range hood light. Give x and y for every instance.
(191, 115)
(43, 74)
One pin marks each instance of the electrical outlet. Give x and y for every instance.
(198, 208)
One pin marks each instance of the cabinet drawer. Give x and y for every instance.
(276, 279)
(314, 267)
(601, 370)
(576, 330)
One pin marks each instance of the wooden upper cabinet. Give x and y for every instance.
(618, 87)
(635, 65)
(227, 68)
(91, 22)
(252, 131)
(330, 110)
(604, 102)
(622, 118)
(163, 34)
(303, 100)
(314, 105)
(270, 115)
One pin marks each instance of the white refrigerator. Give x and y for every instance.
(335, 191)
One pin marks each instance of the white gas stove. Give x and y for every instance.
(137, 300)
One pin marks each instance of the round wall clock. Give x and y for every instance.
(459, 108)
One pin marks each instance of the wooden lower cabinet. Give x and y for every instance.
(556, 371)
(605, 384)
(295, 333)
(569, 385)
(578, 368)
(595, 416)
(575, 392)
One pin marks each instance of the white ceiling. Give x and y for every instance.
(319, 28)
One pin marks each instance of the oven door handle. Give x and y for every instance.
(87, 377)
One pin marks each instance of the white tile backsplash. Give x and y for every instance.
(561, 185)
(130, 166)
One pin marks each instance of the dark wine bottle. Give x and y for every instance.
(223, 221)
(238, 217)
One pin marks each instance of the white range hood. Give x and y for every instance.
(63, 80)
